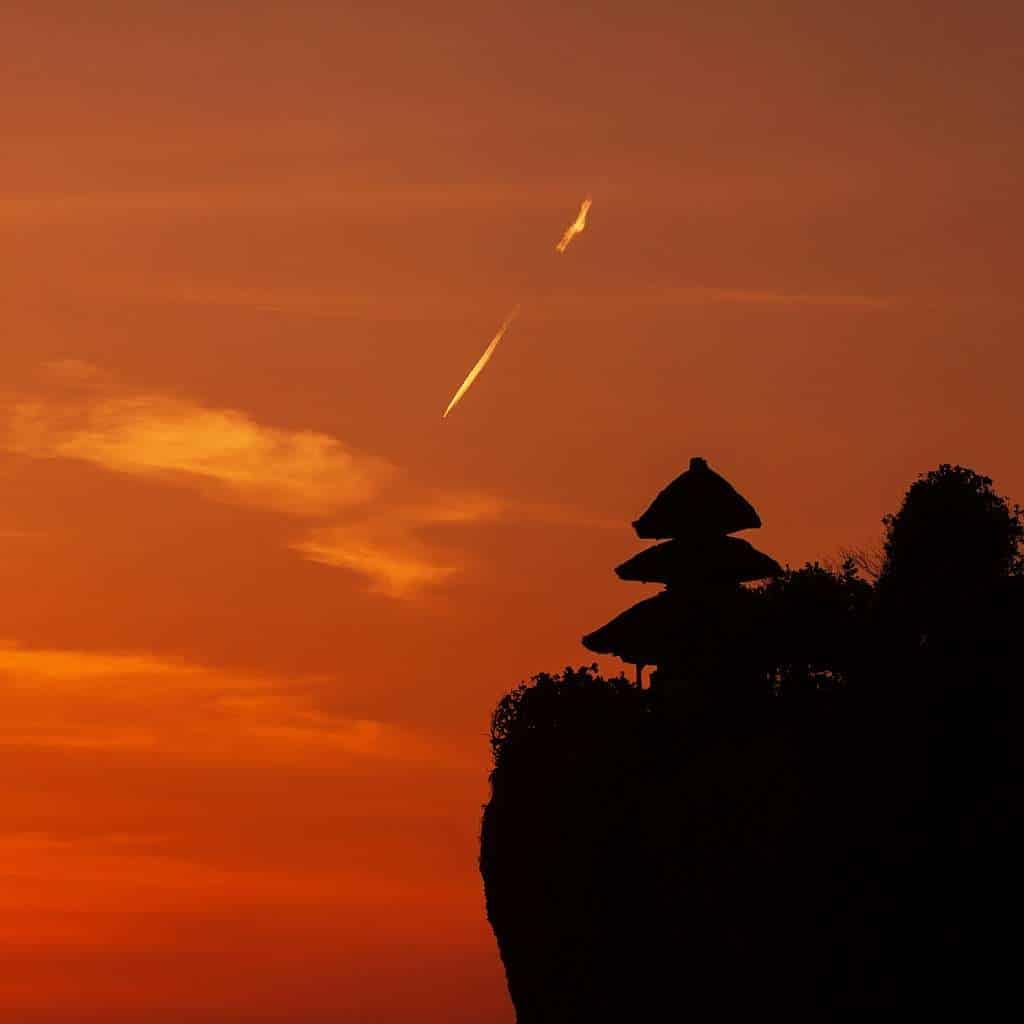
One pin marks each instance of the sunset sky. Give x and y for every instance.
(256, 599)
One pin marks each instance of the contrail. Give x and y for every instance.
(481, 362)
(570, 233)
(575, 227)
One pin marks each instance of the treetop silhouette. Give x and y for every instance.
(953, 531)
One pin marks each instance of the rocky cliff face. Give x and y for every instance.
(811, 857)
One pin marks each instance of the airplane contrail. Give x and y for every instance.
(481, 362)
(570, 233)
(575, 227)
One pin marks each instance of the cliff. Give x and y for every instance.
(815, 856)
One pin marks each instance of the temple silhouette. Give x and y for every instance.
(809, 813)
(689, 627)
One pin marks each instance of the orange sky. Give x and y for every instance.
(256, 599)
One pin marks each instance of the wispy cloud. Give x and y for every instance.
(628, 303)
(289, 197)
(299, 472)
(397, 571)
(390, 551)
(326, 302)
(767, 297)
(57, 666)
(292, 720)
(74, 699)
(62, 873)
(358, 512)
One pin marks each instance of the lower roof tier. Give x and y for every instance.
(657, 630)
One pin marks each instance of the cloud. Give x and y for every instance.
(329, 303)
(359, 512)
(289, 197)
(59, 666)
(288, 719)
(49, 872)
(78, 700)
(390, 551)
(765, 297)
(295, 471)
(628, 303)
(229, 456)
(70, 739)
(396, 572)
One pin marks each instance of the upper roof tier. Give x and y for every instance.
(698, 503)
(698, 561)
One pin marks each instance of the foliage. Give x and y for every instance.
(815, 624)
(953, 531)
(557, 707)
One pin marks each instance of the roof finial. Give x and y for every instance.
(698, 463)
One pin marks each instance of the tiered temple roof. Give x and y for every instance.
(697, 503)
(701, 566)
(708, 560)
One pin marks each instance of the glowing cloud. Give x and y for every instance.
(393, 568)
(576, 227)
(55, 667)
(344, 508)
(73, 699)
(388, 553)
(481, 362)
(299, 472)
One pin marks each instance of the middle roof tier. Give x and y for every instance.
(704, 560)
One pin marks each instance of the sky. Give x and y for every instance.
(257, 600)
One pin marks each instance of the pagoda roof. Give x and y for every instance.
(698, 503)
(663, 628)
(696, 561)
(640, 635)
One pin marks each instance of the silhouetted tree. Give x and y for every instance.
(815, 626)
(951, 554)
(953, 533)
(868, 561)
(560, 711)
